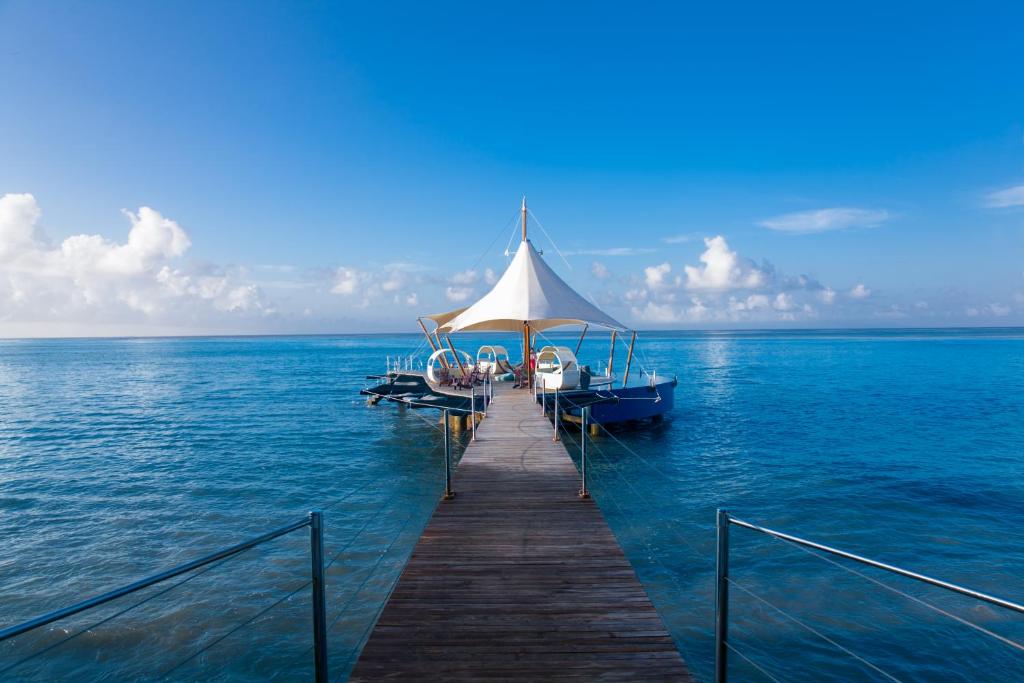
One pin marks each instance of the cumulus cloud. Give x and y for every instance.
(600, 271)
(458, 294)
(722, 269)
(94, 279)
(1005, 198)
(655, 277)
(783, 302)
(490, 277)
(824, 220)
(347, 281)
(860, 291)
(827, 295)
(364, 288)
(466, 277)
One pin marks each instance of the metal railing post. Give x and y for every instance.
(722, 599)
(584, 413)
(448, 493)
(316, 553)
(544, 403)
(472, 410)
(556, 437)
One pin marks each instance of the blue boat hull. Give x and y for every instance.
(609, 406)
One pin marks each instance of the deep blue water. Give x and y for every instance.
(119, 458)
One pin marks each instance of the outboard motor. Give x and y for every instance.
(584, 377)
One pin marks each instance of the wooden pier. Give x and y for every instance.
(517, 577)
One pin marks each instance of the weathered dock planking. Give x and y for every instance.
(517, 577)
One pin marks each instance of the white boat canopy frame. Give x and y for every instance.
(528, 292)
(454, 366)
(493, 359)
(557, 368)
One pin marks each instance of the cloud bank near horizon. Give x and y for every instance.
(147, 282)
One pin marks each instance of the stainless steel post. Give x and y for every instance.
(722, 599)
(543, 403)
(448, 493)
(316, 553)
(584, 414)
(472, 409)
(556, 437)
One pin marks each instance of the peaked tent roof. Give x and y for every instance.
(529, 290)
(441, 318)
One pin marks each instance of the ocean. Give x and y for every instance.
(123, 457)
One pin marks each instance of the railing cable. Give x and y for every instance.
(752, 663)
(376, 616)
(103, 621)
(966, 622)
(237, 628)
(813, 630)
(369, 574)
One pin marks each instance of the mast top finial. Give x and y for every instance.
(524, 217)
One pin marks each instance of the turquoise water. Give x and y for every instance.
(119, 458)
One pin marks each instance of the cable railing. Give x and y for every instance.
(723, 581)
(316, 552)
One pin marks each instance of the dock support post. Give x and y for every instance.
(316, 552)
(448, 493)
(472, 410)
(556, 437)
(722, 599)
(543, 403)
(584, 414)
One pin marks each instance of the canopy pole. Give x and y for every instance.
(526, 354)
(444, 361)
(611, 354)
(629, 359)
(426, 334)
(455, 353)
(583, 334)
(524, 218)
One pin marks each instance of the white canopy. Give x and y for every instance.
(529, 291)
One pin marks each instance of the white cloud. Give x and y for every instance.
(654, 276)
(999, 310)
(600, 271)
(91, 279)
(458, 294)
(490, 277)
(828, 295)
(823, 220)
(681, 239)
(612, 251)
(466, 277)
(1007, 197)
(859, 291)
(665, 313)
(347, 281)
(723, 269)
(783, 302)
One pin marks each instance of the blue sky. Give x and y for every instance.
(314, 167)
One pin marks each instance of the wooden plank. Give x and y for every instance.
(517, 577)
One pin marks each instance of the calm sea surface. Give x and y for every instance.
(119, 458)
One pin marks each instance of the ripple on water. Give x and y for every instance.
(123, 457)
